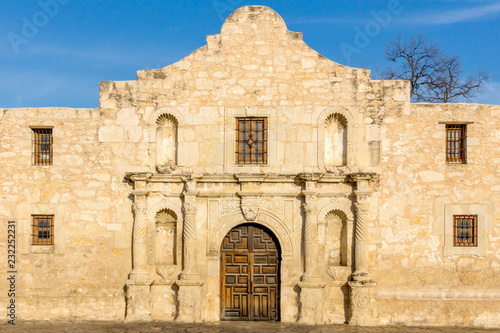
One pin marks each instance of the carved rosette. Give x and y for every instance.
(250, 207)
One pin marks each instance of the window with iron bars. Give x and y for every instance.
(42, 146)
(251, 140)
(42, 230)
(464, 230)
(456, 147)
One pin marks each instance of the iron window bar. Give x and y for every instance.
(456, 148)
(251, 140)
(42, 230)
(465, 230)
(42, 146)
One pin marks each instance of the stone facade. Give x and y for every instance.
(356, 190)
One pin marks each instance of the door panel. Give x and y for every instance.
(249, 275)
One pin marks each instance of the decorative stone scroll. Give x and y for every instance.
(250, 206)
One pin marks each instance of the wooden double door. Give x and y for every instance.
(250, 274)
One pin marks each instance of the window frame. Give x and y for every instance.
(471, 229)
(456, 154)
(38, 150)
(255, 155)
(36, 240)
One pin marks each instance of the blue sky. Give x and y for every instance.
(55, 52)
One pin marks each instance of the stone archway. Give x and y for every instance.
(250, 274)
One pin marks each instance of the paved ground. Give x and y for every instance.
(223, 327)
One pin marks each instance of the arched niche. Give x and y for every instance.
(335, 240)
(166, 139)
(164, 237)
(164, 130)
(336, 140)
(335, 230)
(165, 243)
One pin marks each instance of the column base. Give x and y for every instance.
(361, 303)
(361, 276)
(311, 302)
(189, 299)
(190, 275)
(138, 301)
(163, 305)
(139, 275)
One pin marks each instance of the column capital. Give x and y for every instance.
(138, 193)
(189, 208)
(310, 208)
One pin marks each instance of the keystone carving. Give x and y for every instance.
(250, 207)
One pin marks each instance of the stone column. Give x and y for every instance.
(189, 236)
(311, 286)
(360, 300)
(361, 233)
(139, 282)
(139, 237)
(189, 294)
(310, 236)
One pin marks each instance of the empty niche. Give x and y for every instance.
(166, 140)
(336, 250)
(336, 140)
(165, 242)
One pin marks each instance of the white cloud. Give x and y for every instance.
(456, 15)
(489, 94)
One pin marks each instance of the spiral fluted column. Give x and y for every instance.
(139, 237)
(190, 271)
(310, 237)
(139, 283)
(361, 238)
(189, 237)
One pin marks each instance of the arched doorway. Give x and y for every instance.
(250, 274)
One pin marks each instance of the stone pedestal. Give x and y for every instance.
(163, 306)
(189, 300)
(361, 304)
(138, 301)
(311, 303)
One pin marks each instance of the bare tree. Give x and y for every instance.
(433, 77)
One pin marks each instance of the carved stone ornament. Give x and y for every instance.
(339, 273)
(166, 168)
(309, 208)
(167, 272)
(250, 206)
(189, 208)
(139, 208)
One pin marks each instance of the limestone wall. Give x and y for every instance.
(83, 275)
(256, 67)
(418, 193)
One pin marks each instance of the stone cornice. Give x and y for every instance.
(253, 178)
(138, 176)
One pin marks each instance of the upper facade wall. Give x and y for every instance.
(254, 67)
